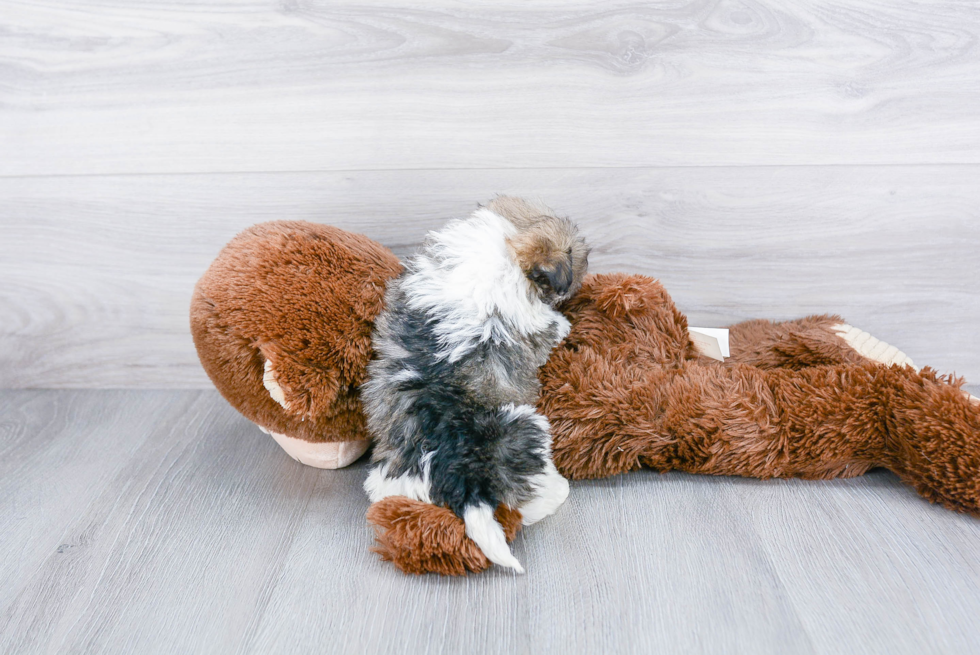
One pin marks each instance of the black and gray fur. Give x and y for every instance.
(455, 424)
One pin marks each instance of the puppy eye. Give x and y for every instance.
(569, 251)
(539, 277)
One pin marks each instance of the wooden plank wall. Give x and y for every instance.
(765, 159)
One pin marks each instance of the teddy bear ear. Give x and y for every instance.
(302, 390)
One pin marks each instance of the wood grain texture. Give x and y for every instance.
(171, 552)
(163, 86)
(195, 533)
(98, 271)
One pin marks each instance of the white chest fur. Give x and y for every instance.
(468, 281)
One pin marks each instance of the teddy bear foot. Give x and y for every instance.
(871, 348)
(879, 351)
(321, 454)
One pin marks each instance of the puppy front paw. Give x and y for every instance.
(551, 490)
(564, 327)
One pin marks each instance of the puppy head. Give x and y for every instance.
(548, 248)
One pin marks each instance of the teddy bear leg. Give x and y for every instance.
(816, 422)
(843, 420)
(810, 341)
(714, 420)
(876, 350)
(795, 344)
(933, 436)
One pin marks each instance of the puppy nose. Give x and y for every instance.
(559, 278)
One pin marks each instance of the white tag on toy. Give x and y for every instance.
(712, 342)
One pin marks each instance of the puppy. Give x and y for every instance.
(450, 396)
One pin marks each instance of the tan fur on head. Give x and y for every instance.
(547, 247)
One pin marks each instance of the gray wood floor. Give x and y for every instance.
(163, 522)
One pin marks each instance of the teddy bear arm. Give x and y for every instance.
(735, 420)
(422, 538)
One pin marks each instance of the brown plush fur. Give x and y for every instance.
(422, 538)
(302, 296)
(668, 410)
(626, 389)
(795, 344)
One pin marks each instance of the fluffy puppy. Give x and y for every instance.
(450, 396)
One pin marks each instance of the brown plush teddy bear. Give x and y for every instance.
(282, 323)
